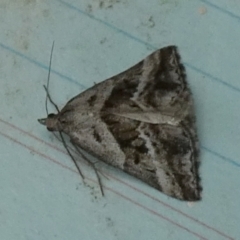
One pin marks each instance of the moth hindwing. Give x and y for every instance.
(141, 121)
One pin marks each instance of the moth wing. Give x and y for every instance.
(142, 121)
(159, 155)
(153, 88)
(157, 97)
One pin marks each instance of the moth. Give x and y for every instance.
(141, 121)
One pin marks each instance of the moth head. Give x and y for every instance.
(51, 122)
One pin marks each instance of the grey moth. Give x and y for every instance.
(141, 121)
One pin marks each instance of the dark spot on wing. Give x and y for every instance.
(175, 146)
(125, 86)
(97, 136)
(164, 84)
(121, 93)
(109, 104)
(142, 149)
(126, 134)
(147, 133)
(168, 174)
(92, 100)
(136, 159)
(167, 77)
(125, 143)
(151, 170)
(154, 144)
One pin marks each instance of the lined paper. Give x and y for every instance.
(42, 196)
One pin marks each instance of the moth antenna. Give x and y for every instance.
(92, 165)
(48, 97)
(70, 154)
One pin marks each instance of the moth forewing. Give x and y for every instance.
(141, 121)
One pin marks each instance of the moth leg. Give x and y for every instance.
(83, 156)
(88, 161)
(104, 175)
(96, 162)
(91, 164)
(70, 154)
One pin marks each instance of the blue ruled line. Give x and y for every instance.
(45, 67)
(230, 14)
(226, 159)
(41, 65)
(70, 6)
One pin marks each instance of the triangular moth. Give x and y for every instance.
(141, 121)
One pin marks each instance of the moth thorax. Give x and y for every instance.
(52, 122)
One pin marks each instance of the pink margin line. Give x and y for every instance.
(110, 189)
(110, 176)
